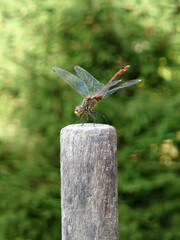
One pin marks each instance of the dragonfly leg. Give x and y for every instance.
(77, 119)
(93, 116)
(102, 116)
(85, 120)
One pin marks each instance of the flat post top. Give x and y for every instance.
(88, 127)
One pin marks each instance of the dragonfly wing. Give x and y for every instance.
(92, 84)
(123, 85)
(77, 84)
(106, 88)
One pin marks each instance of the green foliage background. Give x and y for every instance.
(101, 36)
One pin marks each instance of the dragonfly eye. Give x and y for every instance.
(79, 111)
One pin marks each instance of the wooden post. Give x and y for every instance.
(89, 197)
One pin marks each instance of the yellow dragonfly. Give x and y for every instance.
(91, 89)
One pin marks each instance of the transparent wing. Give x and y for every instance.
(92, 84)
(77, 84)
(123, 85)
(106, 88)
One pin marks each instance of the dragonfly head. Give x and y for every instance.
(79, 111)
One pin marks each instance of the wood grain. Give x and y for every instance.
(89, 198)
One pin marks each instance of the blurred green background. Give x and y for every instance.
(101, 36)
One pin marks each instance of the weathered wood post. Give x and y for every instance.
(89, 197)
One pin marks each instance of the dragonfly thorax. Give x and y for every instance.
(87, 105)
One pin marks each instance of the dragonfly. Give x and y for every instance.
(91, 89)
